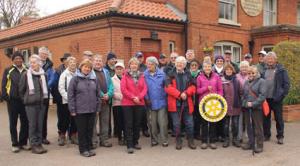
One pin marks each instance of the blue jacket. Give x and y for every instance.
(282, 83)
(156, 93)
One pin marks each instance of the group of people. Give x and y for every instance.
(158, 96)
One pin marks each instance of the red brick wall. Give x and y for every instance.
(287, 11)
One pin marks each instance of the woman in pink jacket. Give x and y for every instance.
(134, 89)
(208, 82)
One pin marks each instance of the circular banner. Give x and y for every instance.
(213, 107)
(252, 7)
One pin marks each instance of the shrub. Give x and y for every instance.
(288, 53)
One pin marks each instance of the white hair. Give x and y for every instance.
(271, 54)
(152, 59)
(44, 50)
(244, 63)
(181, 59)
(36, 58)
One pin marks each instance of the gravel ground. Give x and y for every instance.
(273, 155)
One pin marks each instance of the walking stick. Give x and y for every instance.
(253, 132)
(180, 116)
(150, 126)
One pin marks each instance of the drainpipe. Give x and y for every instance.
(110, 29)
(186, 26)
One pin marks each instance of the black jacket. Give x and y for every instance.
(54, 91)
(10, 83)
(282, 83)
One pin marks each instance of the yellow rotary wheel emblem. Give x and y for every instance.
(213, 107)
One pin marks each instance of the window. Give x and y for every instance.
(298, 14)
(171, 46)
(227, 11)
(26, 54)
(236, 49)
(268, 48)
(270, 12)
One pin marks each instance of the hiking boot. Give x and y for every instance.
(25, 147)
(226, 143)
(178, 144)
(61, 140)
(130, 150)
(74, 139)
(154, 143)
(15, 149)
(213, 146)
(165, 144)
(85, 154)
(204, 146)
(280, 141)
(236, 143)
(36, 150)
(92, 153)
(146, 133)
(106, 144)
(246, 146)
(258, 150)
(137, 147)
(42, 149)
(191, 143)
(45, 141)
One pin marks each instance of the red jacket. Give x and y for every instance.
(174, 94)
(131, 90)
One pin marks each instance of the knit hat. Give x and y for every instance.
(111, 55)
(139, 54)
(219, 57)
(16, 54)
(66, 55)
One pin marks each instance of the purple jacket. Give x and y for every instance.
(203, 82)
(84, 94)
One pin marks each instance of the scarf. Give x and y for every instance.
(219, 70)
(41, 73)
(195, 73)
(135, 75)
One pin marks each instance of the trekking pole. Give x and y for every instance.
(253, 132)
(150, 126)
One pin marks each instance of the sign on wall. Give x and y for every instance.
(252, 7)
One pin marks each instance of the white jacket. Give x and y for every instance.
(63, 84)
(117, 98)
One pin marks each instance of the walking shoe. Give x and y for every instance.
(146, 133)
(25, 147)
(42, 149)
(165, 144)
(15, 149)
(36, 150)
(137, 147)
(74, 139)
(280, 141)
(154, 143)
(226, 143)
(197, 137)
(45, 141)
(246, 146)
(213, 146)
(130, 150)
(61, 140)
(92, 153)
(106, 144)
(178, 144)
(85, 154)
(236, 143)
(204, 146)
(191, 143)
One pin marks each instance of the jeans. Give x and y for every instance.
(133, 116)
(234, 126)
(85, 126)
(35, 115)
(187, 118)
(277, 109)
(158, 120)
(15, 109)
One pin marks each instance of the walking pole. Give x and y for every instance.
(150, 126)
(253, 132)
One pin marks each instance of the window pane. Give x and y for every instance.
(221, 10)
(236, 54)
(217, 50)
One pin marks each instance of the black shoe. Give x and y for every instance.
(236, 143)
(197, 137)
(146, 133)
(280, 141)
(121, 142)
(178, 144)
(85, 154)
(42, 149)
(130, 150)
(92, 153)
(36, 150)
(45, 141)
(165, 144)
(191, 143)
(137, 147)
(258, 150)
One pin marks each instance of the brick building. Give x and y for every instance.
(157, 26)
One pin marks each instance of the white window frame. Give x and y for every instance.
(270, 12)
(171, 46)
(234, 58)
(25, 53)
(267, 47)
(232, 21)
